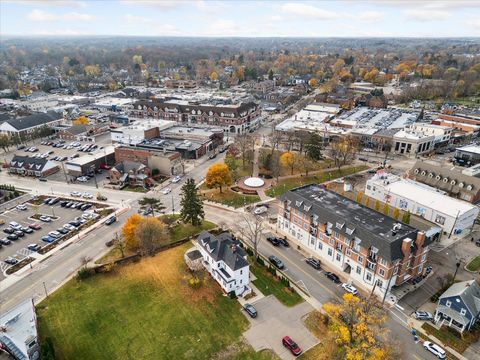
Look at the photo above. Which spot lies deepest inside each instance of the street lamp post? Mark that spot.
(173, 206)
(457, 265)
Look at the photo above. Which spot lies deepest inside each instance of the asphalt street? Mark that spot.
(316, 284)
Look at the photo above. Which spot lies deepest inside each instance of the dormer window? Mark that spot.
(469, 187)
(298, 203)
(307, 207)
(339, 225)
(453, 182)
(416, 171)
(445, 179)
(350, 231)
(460, 185)
(430, 175)
(438, 177)
(424, 173)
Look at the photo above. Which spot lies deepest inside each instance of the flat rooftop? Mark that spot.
(372, 227)
(390, 118)
(423, 194)
(470, 148)
(97, 154)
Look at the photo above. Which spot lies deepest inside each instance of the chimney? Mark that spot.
(420, 239)
(406, 246)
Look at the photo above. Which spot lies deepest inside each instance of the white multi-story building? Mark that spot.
(441, 133)
(372, 250)
(410, 142)
(453, 215)
(226, 261)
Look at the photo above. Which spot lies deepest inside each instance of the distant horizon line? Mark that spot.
(3, 36)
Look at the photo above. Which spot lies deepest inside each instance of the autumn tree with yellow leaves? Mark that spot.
(213, 76)
(357, 327)
(144, 234)
(128, 231)
(82, 120)
(289, 160)
(218, 175)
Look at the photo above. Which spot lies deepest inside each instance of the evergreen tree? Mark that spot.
(151, 203)
(192, 206)
(313, 148)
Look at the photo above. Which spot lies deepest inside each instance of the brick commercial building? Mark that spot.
(235, 119)
(372, 250)
(167, 162)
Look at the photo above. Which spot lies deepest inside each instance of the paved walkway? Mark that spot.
(274, 321)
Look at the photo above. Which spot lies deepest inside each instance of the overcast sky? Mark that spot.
(347, 18)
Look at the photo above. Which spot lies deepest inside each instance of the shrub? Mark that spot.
(232, 295)
(260, 261)
(47, 350)
(249, 251)
(85, 273)
(194, 283)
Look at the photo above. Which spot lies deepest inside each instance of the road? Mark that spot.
(317, 285)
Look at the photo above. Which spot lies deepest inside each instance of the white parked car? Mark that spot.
(82, 179)
(349, 288)
(45, 218)
(87, 195)
(260, 210)
(54, 234)
(166, 191)
(176, 179)
(75, 194)
(69, 227)
(22, 207)
(435, 349)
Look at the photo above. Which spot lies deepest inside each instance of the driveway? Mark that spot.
(274, 321)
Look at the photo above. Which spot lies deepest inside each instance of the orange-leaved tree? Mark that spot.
(213, 76)
(128, 231)
(151, 234)
(82, 120)
(218, 175)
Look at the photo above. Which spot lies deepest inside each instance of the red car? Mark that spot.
(291, 345)
(105, 167)
(35, 226)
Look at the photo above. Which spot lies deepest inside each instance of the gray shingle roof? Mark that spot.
(371, 227)
(224, 248)
(28, 163)
(30, 121)
(469, 292)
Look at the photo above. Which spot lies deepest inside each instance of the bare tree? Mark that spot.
(119, 244)
(251, 230)
(275, 140)
(343, 151)
(245, 144)
(275, 165)
(151, 234)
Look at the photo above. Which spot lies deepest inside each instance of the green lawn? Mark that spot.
(231, 198)
(447, 338)
(268, 284)
(181, 231)
(144, 310)
(287, 184)
(474, 265)
(134, 189)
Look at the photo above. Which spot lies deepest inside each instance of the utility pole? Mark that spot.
(94, 175)
(173, 206)
(45, 288)
(64, 173)
(388, 286)
(457, 265)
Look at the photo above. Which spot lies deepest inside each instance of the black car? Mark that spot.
(333, 277)
(110, 220)
(54, 201)
(273, 240)
(276, 262)
(34, 247)
(63, 203)
(313, 263)
(12, 237)
(62, 231)
(8, 231)
(42, 179)
(78, 206)
(26, 230)
(75, 223)
(250, 310)
(47, 201)
(84, 207)
(11, 261)
(283, 241)
(5, 241)
(19, 233)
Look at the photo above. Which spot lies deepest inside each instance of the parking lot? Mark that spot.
(18, 249)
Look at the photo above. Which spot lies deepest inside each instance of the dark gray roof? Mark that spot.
(371, 227)
(28, 163)
(469, 292)
(4, 117)
(416, 173)
(77, 129)
(30, 121)
(223, 247)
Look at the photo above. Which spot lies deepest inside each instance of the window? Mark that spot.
(424, 256)
(349, 252)
(305, 226)
(360, 259)
(383, 261)
(356, 244)
(395, 271)
(320, 246)
(463, 311)
(240, 281)
(339, 257)
(369, 276)
(241, 272)
(420, 268)
(331, 241)
(312, 241)
(381, 272)
(368, 187)
(336, 235)
(448, 303)
(439, 219)
(330, 252)
(380, 283)
(359, 270)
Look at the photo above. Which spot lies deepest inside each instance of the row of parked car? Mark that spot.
(16, 231)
